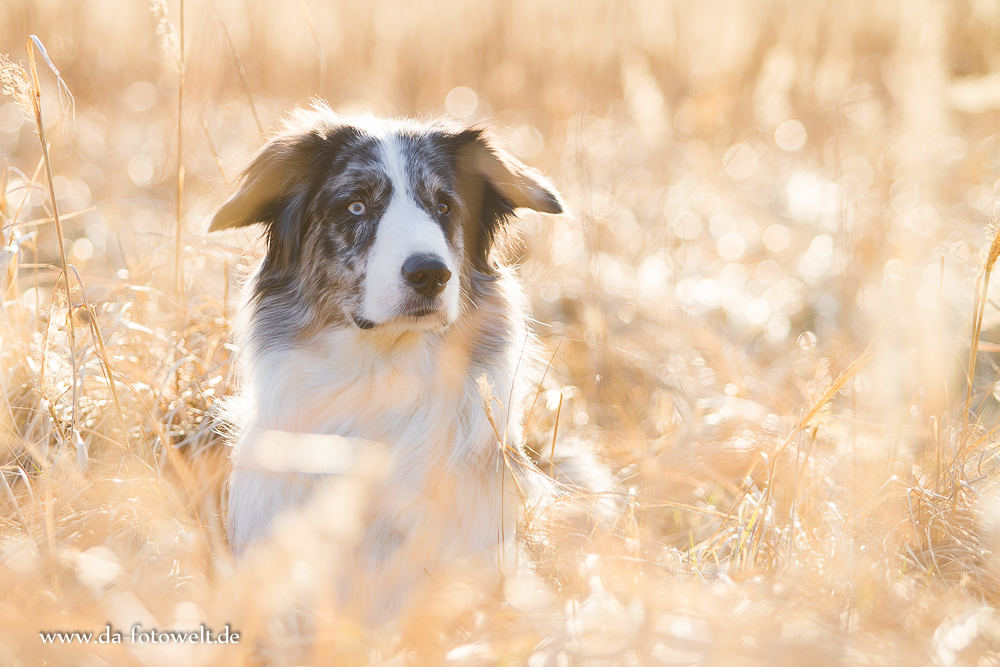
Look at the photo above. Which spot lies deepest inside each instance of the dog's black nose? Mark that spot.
(427, 274)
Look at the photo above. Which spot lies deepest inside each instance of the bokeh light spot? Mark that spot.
(140, 170)
(740, 161)
(790, 135)
(83, 250)
(777, 238)
(140, 96)
(731, 246)
(461, 102)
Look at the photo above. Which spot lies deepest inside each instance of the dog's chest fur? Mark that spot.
(447, 494)
(416, 392)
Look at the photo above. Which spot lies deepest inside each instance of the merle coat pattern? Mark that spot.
(381, 302)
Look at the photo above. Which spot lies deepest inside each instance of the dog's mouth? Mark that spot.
(411, 318)
(363, 323)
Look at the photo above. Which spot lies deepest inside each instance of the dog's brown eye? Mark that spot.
(356, 208)
(443, 209)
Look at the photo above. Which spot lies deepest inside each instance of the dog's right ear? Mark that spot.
(273, 189)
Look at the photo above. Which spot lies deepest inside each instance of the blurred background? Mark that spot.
(757, 169)
(761, 193)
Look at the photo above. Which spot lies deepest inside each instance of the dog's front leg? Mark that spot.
(256, 497)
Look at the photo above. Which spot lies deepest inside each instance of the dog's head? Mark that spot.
(384, 218)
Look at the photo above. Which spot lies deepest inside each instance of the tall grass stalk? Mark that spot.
(36, 101)
(244, 79)
(179, 263)
(978, 309)
(320, 53)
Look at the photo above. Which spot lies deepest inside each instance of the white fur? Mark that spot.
(421, 401)
(405, 230)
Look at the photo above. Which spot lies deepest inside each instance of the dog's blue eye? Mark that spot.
(443, 209)
(356, 208)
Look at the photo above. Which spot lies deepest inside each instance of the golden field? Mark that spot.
(769, 312)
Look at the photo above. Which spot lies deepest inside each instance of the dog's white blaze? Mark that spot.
(404, 230)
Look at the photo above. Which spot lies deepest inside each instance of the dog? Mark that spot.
(384, 311)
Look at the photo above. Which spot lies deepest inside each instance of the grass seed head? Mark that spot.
(14, 83)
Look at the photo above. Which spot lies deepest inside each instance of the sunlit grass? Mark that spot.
(761, 313)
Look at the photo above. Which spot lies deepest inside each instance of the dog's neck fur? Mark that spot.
(306, 377)
(419, 395)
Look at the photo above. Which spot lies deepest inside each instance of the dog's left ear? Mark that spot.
(493, 183)
(479, 153)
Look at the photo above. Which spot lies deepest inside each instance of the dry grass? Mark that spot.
(763, 315)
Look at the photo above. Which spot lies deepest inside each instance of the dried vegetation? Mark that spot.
(770, 313)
